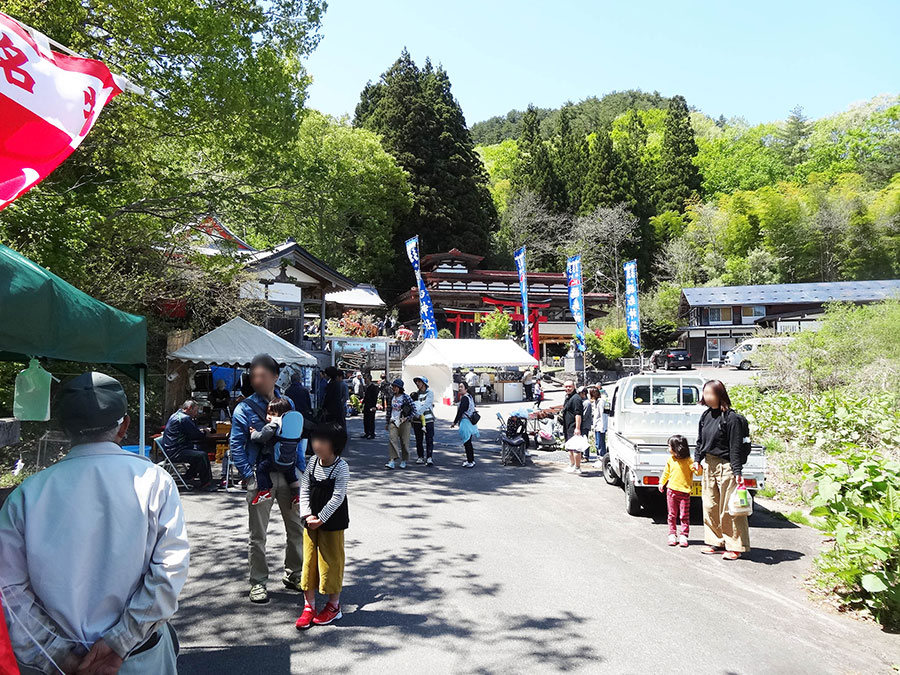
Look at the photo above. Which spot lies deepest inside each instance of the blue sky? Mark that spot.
(755, 59)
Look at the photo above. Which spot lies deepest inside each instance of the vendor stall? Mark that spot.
(234, 344)
(438, 358)
(45, 317)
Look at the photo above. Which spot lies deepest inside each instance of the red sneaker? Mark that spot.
(262, 496)
(306, 619)
(327, 615)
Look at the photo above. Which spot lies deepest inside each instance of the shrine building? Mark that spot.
(462, 294)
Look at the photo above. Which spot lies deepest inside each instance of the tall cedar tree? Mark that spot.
(598, 189)
(679, 180)
(535, 171)
(631, 183)
(571, 155)
(422, 125)
(792, 136)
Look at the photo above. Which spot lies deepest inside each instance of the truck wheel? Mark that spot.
(633, 504)
(609, 474)
(745, 365)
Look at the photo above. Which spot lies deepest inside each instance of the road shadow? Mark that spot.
(273, 659)
(768, 556)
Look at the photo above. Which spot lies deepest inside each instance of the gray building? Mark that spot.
(717, 318)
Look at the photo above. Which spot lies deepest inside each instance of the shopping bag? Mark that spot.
(577, 444)
(740, 503)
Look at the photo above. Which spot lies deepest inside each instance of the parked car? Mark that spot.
(671, 358)
(644, 410)
(742, 355)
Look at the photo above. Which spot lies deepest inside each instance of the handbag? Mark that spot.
(474, 417)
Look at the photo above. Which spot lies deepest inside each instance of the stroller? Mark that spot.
(513, 439)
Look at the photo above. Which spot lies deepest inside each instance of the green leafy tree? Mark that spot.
(421, 124)
(495, 326)
(679, 181)
(353, 198)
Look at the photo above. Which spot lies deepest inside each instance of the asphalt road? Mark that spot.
(514, 569)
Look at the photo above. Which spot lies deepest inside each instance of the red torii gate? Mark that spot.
(534, 317)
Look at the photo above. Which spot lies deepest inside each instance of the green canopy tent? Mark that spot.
(43, 316)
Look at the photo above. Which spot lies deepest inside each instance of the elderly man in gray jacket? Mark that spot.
(93, 550)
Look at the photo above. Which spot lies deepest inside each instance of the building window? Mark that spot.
(753, 311)
(719, 314)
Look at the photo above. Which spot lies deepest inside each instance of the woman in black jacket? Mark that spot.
(719, 448)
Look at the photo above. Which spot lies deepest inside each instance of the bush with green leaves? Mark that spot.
(496, 326)
(858, 496)
(604, 349)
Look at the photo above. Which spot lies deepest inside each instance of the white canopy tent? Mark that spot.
(436, 359)
(363, 296)
(236, 343)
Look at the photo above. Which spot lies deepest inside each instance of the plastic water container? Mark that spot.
(136, 449)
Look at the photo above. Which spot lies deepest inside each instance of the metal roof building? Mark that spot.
(793, 294)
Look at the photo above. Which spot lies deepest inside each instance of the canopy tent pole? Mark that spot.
(142, 422)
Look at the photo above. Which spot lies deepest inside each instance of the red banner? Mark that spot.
(48, 104)
(7, 658)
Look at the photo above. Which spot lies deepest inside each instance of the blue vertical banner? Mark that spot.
(576, 298)
(523, 289)
(426, 310)
(632, 313)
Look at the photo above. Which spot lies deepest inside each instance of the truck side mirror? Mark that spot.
(608, 409)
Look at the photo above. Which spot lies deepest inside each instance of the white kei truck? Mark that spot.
(644, 411)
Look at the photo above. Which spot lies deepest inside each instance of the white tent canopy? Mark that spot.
(362, 296)
(436, 359)
(236, 343)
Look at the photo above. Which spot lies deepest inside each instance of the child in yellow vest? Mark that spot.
(679, 477)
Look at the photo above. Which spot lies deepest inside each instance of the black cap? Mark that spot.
(91, 401)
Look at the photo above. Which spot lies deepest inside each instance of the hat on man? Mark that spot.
(421, 378)
(92, 401)
(398, 383)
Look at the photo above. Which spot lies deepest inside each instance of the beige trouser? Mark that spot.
(719, 527)
(399, 440)
(259, 523)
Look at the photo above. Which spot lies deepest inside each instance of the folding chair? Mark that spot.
(167, 464)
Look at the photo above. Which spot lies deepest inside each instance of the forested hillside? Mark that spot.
(697, 200)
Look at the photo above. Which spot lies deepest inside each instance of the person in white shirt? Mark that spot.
(93, 549)
(472, 379)
(599, 423)
(528, 384)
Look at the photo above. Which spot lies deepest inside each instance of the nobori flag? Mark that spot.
(632, 313)
(48, 104)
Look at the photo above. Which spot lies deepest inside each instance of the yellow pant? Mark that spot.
(720, 527)
(323, 561)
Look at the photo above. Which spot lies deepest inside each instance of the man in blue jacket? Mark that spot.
(251, 412)
(181, 440)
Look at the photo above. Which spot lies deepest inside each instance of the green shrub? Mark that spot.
(445, 334)
(858, 496)
(496, 326)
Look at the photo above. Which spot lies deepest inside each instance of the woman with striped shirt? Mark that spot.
(324, 512)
